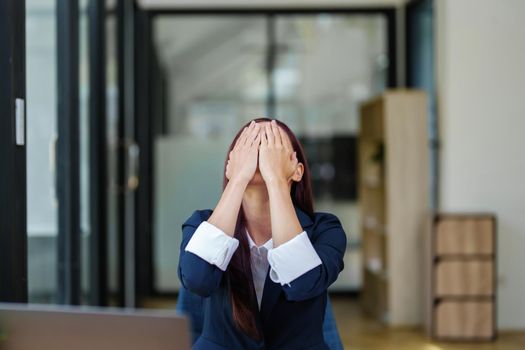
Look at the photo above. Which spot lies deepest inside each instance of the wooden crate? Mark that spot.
(464, 278)
(464, 320)
(464, 235)
(461, 298)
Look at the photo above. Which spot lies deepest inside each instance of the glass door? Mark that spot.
(72, 147)
(41, 126)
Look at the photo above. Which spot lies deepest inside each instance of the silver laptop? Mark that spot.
(41, 327)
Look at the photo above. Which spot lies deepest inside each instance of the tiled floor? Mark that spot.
(360, 332)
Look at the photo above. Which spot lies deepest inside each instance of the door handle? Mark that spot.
(132, 176)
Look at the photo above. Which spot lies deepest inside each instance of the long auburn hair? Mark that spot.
(239, 274)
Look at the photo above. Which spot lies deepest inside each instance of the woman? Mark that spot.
(262, 258)
(191, 305)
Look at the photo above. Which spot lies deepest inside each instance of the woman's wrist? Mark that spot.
(239, 182)
(225, 213)
(276, 183)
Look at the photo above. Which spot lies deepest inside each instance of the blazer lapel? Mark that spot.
(272, 290)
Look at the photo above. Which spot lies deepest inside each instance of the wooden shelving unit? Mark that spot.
(394, 202)
(461, 297)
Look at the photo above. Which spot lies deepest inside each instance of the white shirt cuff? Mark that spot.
(292, 259)
(213, 245)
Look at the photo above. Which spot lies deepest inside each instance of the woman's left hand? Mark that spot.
(277, 159)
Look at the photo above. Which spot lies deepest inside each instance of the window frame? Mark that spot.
(13, 202)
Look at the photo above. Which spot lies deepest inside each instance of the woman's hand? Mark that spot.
(277, 160)
(242, 161)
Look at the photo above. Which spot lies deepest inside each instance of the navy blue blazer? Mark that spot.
(291, 317)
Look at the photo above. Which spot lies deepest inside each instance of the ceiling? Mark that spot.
(267, 4)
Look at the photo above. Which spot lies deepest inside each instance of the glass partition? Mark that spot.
(223, 70)
(215, 76)
(325, 66)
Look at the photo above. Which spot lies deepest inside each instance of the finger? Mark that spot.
(246, 133)
(284, 139)
(256, 140)
(269, 135)
(240, 139)
(276, 134)
(256, 130)
(250, 133)
(264, 139)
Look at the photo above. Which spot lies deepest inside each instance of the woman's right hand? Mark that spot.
(242, 161)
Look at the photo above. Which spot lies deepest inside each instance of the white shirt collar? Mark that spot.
(268, 245)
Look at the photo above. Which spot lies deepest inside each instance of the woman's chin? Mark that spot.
(257, 179)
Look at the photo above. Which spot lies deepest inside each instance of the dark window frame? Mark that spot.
(13, 202)
(98, 182)
(126, 11)
(68, 145)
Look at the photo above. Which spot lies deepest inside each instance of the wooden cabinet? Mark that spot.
(394, 202)
(462, 290)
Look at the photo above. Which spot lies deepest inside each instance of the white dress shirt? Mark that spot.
(287, 261)
(259, 264)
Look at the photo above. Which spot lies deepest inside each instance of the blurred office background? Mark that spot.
(131, 105)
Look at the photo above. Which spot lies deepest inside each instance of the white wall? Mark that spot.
(481, 106)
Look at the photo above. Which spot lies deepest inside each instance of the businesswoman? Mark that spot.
(262, 258)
